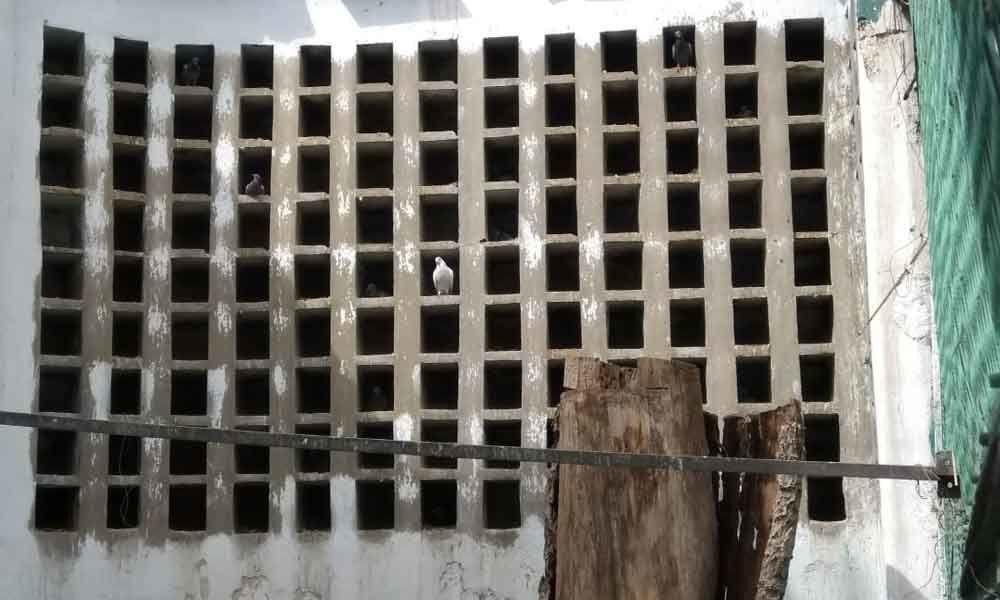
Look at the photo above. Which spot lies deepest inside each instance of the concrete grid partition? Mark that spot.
(591, 198)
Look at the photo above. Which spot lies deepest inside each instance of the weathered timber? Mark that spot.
(634, 534)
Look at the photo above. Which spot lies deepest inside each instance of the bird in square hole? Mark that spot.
(373, 291)
(442, 277)
(682, 51)
(378, 399)
(255, 187)
(744, 111)
(191, 72)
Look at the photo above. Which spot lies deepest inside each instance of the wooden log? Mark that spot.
(634, 534)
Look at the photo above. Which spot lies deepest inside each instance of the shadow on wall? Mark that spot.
(899, 586)
(369, 13)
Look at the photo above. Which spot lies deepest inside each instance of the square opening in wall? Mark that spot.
(192, 171)
(501, 504)
(374, 63)
(501, 158)
(312, 276)
(682, 151)
(428, 261)
(187, 508)
(438, 504)
(253, 392)
(560, 156)
(557, 371)
(560, 210)
(188, 458)
(740, 43)
(439, 431)
(59, 333)
(61, 107)
(439, 218)
(501, 215)
(812, 262)
(564, 325)
(438, 110)
(123, 506)
(806, 146)
(438, 60)
(374, 165)
(62, 52)
(742, 149)
(824, 495)
(503, 270)
(313, 389)
(750, 325)
(439, 163)
(312, 504)
(189, 336)
(314, 116)
(126, 385)
(313, 223)
(683, 207)
(376, 501)
(809, 205)
(817, 376)
(375, 388)
(502, 385)
(805, 91)
(128, 168)
(621, 208)
(371, 460)
(625, 324)
(562, 267)
(314, 169)
(189, 280)
(741, 96)
(619, 51)
(375, 331)
(623, 266)
(191, 226)
(251, 507)
(748, 262)
(252, 336)
(61, 221)
(753, 380)
(621, 153)
(681, 95)
(124, 455)
(56, 507)
(62, 276)
(374, 112)
(129, 114)
(128, 227)
(439, 386)
(560, 54)
(621, 102)
(502, 433)
(56, 452)
(687, 323)
(254, 223)
(500, 57)
(58, 390)
(744, 204)
(313, 461)
(503, 327)
(686, 265)
(252, 280)
(374, 219)
(804, 40)
(815, 319)
(315, 66)
(126, 334)
(60, 163)
(374, 273)
(500, 106)
(687, 33)
(256, 117)
(439, 329)
(193, 117)
(560, 105)
(257, 66)
(194, 65)
(313, 332)
(189, 393)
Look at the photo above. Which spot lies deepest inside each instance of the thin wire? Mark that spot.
(899, 280)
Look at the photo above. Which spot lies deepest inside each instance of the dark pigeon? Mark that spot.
(373, 291)
(255, 187)
(378, 399)
(191, 72)
(682, 51)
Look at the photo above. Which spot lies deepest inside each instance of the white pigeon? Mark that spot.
(682, 51)
(443, 276)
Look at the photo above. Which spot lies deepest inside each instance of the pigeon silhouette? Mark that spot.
(442, 277)
(682, 51)
(191, 72)
(255, 187)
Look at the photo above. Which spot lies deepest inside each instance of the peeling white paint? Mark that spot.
(402, 427)
(531, 244)
(528, 90)
(224, 318)
(592, 248)
(280, 383)
(406, 258)
(99, 380)
(407, 488)
(282, 258)
(157, 323)
(217, 385)
(589, 308)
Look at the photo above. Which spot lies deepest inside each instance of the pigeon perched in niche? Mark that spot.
(373, 291)
(744, 112)
(255, 187)
(378, 399)
(499, 235)
(191, 72)
(443, 276)
(682, 51)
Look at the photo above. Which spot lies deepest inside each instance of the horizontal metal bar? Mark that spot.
(703, 464)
